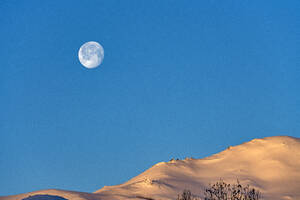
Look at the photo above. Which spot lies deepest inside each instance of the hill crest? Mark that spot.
(270, 164)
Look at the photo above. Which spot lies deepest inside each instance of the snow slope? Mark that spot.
(271, 164)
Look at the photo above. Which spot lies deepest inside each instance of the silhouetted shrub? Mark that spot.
(223, 191)
(185, 195)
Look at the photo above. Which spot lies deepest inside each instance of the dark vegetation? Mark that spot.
(44, 197)
(185, 195)
(224, 191)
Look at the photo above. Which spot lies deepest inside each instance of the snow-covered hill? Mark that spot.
(271, 164)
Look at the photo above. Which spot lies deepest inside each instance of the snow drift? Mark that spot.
(271, 165)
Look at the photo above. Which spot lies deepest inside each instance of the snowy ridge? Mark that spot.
(272, 165)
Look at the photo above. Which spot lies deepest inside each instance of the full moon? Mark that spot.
(91, 54)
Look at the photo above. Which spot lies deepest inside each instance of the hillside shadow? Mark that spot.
(44, 197)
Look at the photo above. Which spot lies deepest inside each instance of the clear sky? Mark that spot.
(179, 79)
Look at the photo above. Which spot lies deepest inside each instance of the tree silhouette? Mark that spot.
(185, 195)
(224, 191)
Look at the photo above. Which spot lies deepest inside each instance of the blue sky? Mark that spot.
(179, 79)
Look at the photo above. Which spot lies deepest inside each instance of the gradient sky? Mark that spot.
(179, 79)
